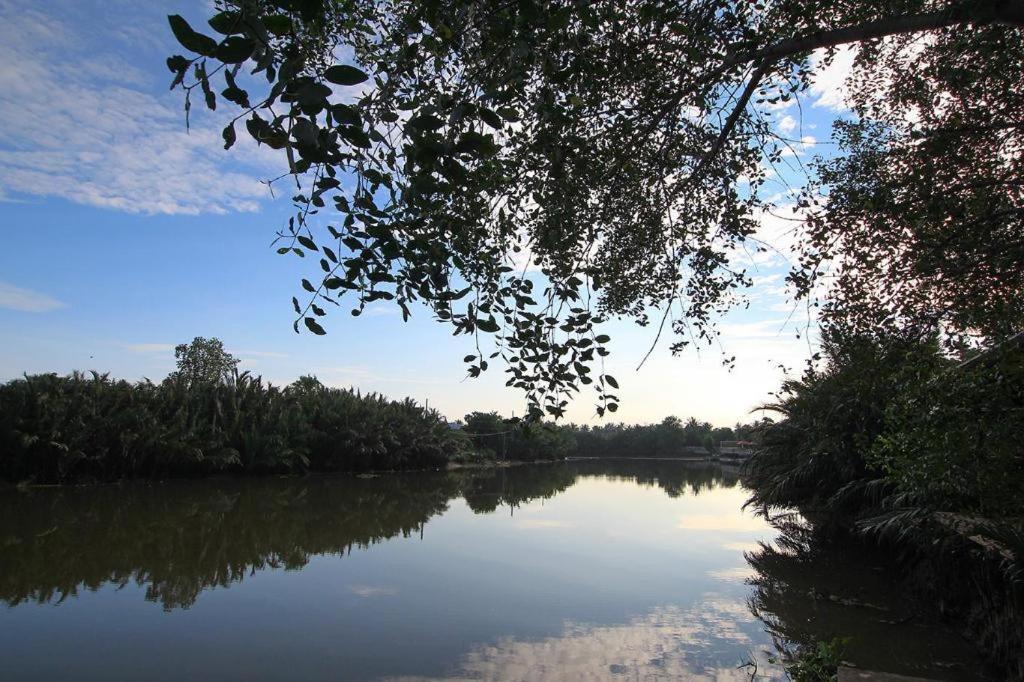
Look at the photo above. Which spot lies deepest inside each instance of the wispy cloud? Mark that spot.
(26, 300)
(257, 353)
(828, 84)
(346, 375)
(149, 347)
(83, 122)
(367, 591)
(532, 524)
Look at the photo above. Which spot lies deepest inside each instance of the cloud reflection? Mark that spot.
(372, 591)
(703, 642)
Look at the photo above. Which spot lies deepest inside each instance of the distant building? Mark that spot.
(739, 449)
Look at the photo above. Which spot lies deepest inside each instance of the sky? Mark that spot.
(124, 235)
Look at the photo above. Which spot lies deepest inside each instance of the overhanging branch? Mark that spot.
(1006, 12)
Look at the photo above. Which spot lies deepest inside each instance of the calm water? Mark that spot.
(633, 570)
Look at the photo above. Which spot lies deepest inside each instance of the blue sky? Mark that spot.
(124, 235)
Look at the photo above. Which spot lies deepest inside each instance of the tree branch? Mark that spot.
(1006, 12)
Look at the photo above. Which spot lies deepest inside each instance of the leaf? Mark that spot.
(345, 114)
(189, 39)
(229, 135)
(489, 325)
(177, 63)
(611, 381)
(508, 114)
(490, 118)
(235, 50)
(313, 326)
(476, 143)
(278, 24)
(425, 122)
(226, 23)
(602, 338)
(355, 136)
(308, 243)
(343, 74)
(179, 66)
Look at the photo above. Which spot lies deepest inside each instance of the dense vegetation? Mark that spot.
(208, 418)
(92, 427)
(511, 439)
(918, 451)
(669, 438)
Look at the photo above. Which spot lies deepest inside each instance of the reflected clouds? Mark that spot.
(367, 591)
(693, 643)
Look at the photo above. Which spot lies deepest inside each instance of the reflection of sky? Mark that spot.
(607, 577)
(668, 643)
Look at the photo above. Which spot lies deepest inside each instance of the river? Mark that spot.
(581, 570)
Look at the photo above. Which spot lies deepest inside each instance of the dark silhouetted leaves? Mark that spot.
(344, 74)
(189, 39)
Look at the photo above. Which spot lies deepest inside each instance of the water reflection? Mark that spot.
(179, 538)
(807, 588)
(571, 570)
(668, 643)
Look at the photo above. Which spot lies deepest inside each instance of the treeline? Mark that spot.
(669, 438)
(91, 427)
(499, 438)
(495, 437)
(917, 450)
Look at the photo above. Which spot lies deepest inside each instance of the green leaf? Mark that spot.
(313, 326)
(308, 243)
(611, 381)
(189, 39)
(602, 338)
(343, 74)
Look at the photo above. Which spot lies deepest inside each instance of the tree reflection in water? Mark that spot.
(807, 588)
(181, 537)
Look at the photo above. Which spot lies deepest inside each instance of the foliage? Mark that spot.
(925, 207)
(915, 451)
(953, 440)
(204, 361)
(59, 429)
(513, 439)
(817, 662)
(814, 457)
(669, 438)
(619, 146)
